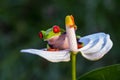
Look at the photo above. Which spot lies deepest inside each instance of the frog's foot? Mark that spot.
(52, 49)
(79, 45)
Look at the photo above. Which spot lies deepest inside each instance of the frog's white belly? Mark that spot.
(60, 42)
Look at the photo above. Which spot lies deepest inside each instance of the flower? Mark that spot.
(70, 30)
(95, 47)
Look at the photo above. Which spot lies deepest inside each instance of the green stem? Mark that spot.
(73, 58)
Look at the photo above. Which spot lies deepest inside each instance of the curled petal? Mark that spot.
(52, 56)
(95, 46)
(71, 39)
(92, 43)
(70, 25)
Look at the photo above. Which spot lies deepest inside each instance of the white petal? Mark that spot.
(71, 38)
(99, 44)
(92, 43)
(52, 56)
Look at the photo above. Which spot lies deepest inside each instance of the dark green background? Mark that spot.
(21, 20)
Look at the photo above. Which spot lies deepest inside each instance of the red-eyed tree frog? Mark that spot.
(56, 38)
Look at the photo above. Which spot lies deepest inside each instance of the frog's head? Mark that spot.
(50, 33)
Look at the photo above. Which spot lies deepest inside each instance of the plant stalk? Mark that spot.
(73, 58)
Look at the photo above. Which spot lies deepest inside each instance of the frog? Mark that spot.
(56, 38)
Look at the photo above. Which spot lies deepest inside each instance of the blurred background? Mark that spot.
(21, 20)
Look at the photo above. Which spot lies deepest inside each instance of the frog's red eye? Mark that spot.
(56, 29)
(40, 35)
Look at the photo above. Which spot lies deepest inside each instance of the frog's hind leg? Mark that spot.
(51, 48)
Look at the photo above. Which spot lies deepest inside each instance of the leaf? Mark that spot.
(106, 73)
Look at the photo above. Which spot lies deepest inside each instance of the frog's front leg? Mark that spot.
(79, 44)
(51, 48)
